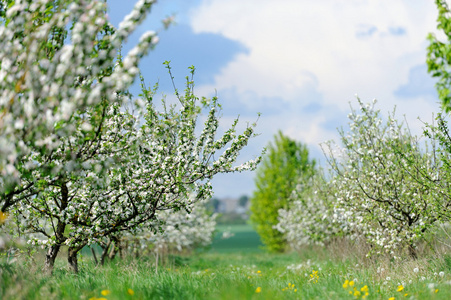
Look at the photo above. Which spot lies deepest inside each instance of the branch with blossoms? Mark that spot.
(54, 92)
(45, 82)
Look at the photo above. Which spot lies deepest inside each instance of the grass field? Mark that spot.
(244, 239)
(238, 270)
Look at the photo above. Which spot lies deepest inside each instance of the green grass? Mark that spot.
(211, 275)
(235, 268)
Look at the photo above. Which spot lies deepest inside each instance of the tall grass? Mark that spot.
(308, 275)
(238, 271)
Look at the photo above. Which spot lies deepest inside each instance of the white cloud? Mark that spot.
(288, 38)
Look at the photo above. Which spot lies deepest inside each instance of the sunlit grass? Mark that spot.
(339, 271)
(232, 276)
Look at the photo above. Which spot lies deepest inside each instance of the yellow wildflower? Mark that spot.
(364, 288)
(351, 283)
(130, 292)
(105, 292)
(400, 288)
(436, 291)
(357, 293)
(346, 284)
(258, 290)
(391, 298)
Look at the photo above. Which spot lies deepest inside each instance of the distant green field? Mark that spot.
(245, 239)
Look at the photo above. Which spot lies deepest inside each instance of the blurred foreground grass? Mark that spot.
(235, 268)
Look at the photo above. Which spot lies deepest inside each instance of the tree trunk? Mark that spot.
(413, 252)
(72, 257)
(105, 253)
(50, 257)
(52, 252)
(113, 252)
(117, 248)
(94, 255)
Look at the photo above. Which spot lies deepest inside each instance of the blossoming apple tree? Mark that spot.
(80, 166)
(379, 193)
(53, 89)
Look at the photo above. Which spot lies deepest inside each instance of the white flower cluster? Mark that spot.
(310, 217)
(180, 230)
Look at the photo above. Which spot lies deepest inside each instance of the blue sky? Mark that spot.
(299, 63)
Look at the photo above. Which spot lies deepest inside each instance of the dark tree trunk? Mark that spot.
(105, 252)
(94, 255)
(72, 257)
(52, 252)
(50, 257)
